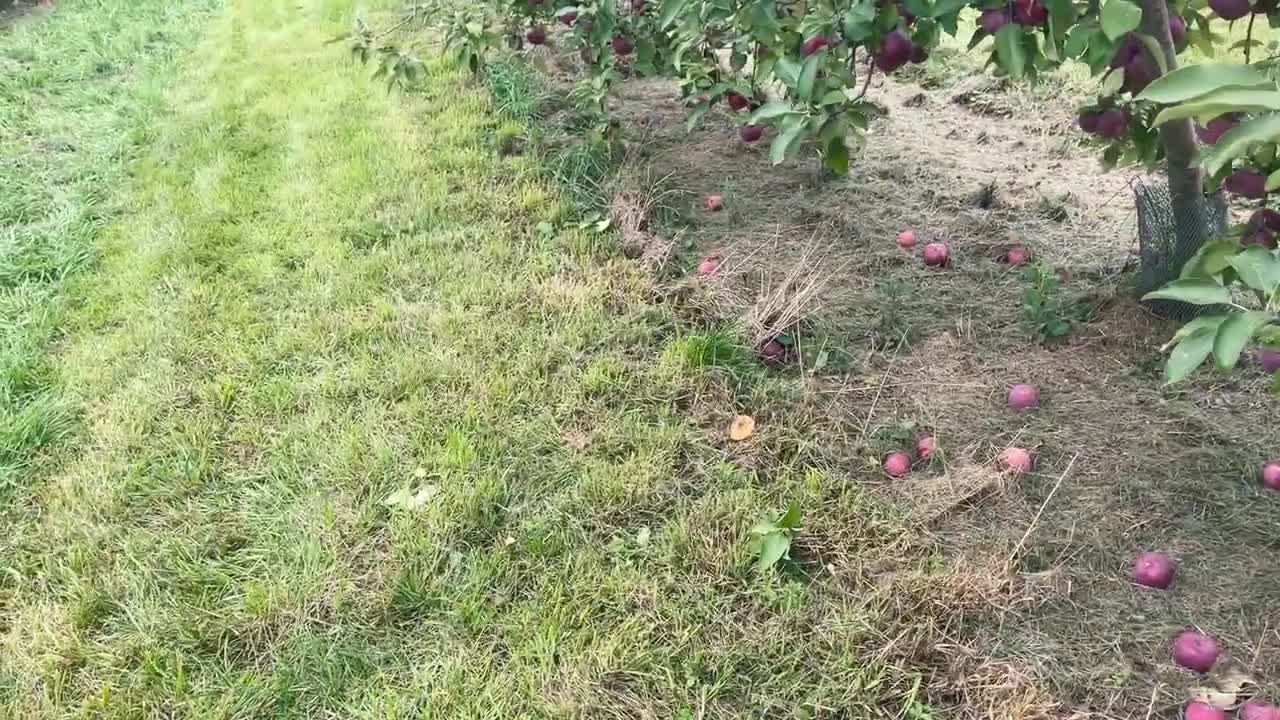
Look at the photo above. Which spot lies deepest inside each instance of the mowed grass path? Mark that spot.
(321, 295)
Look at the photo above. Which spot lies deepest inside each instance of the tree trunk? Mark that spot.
(1178, 137)
(1192, 213)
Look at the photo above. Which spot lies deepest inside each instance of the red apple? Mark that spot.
(1269, 359)
(773, 352)
(1246, 183)
(936, 255)
(1030, 12)
(1197, 710)
(537, 35)
(1024, 397)
(926, 446)
(907, 239)
(1230, 9)
(569, 18)
(813, 45)
(992, 20)
(1113, 124)
(1018, 256)
(622, 45)
(1256, 709)
(1195, 651)
(737, 101)
(1153, 570)
(895, 51)
(750, 133)
(1216, 128)
(1271, 475)
(715, 203)
(1016, 460)
(710, 265)
(897, 464)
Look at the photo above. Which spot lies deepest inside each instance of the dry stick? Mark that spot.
(1009, 563)
(1151, 706)
(883, 379)
(410, 18)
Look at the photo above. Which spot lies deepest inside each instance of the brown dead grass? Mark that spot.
(1033, 615)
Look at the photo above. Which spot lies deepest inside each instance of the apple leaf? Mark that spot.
(1077, 41)
(1155, 51)
(1258, 268)
(787, 71)
(1204, 322)
(670, 9)
(1188, 355)
(1210, 260)
(837, 157)
(770, 111)
(1273, 181)
(1196, 292)
(808, 74)
(1010, 50)
(782, 143)
(1120, 17)
(1220, 102)
(1062, 15)
(1233, 334)
(1192, 81)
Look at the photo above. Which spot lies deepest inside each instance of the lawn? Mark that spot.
(341, 414)
(320, 399)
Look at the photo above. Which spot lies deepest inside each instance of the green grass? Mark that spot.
(78, 95)
(314, 297)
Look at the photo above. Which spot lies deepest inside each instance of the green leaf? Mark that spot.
(668, 12)
(1077, 41)
(1154, 49)
(1062, 15)
(837, 157)
(1120, 17)
(833, 97)
(787, 71)
(1220, 102)
(1196, 292)
(791, 519)
(809, 73)
(773, 547)
(1236, 141)
(696, 116)
(1192, 81)
(1273, 181)
(919, 8)
(782, 143)
(1210, 260)
(1234, 333)
(1188, 355)
(1258, 268)
(1010, 50)
(1204, 322)
(770, 111)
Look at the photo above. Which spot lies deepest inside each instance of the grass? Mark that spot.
(74, 109)
(371, 427)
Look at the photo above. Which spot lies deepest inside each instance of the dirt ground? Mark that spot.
(1122, 464)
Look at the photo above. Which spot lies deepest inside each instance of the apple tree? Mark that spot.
(797, 72)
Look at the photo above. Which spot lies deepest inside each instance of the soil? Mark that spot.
(1123, 465)
(11, 10)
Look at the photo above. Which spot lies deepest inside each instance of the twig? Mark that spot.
(1151, 706)
(413, 14)
(1009, 563)
(871, 70)
(870, 413)
(1248, 38)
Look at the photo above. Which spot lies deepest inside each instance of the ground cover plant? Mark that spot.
(450, 386)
